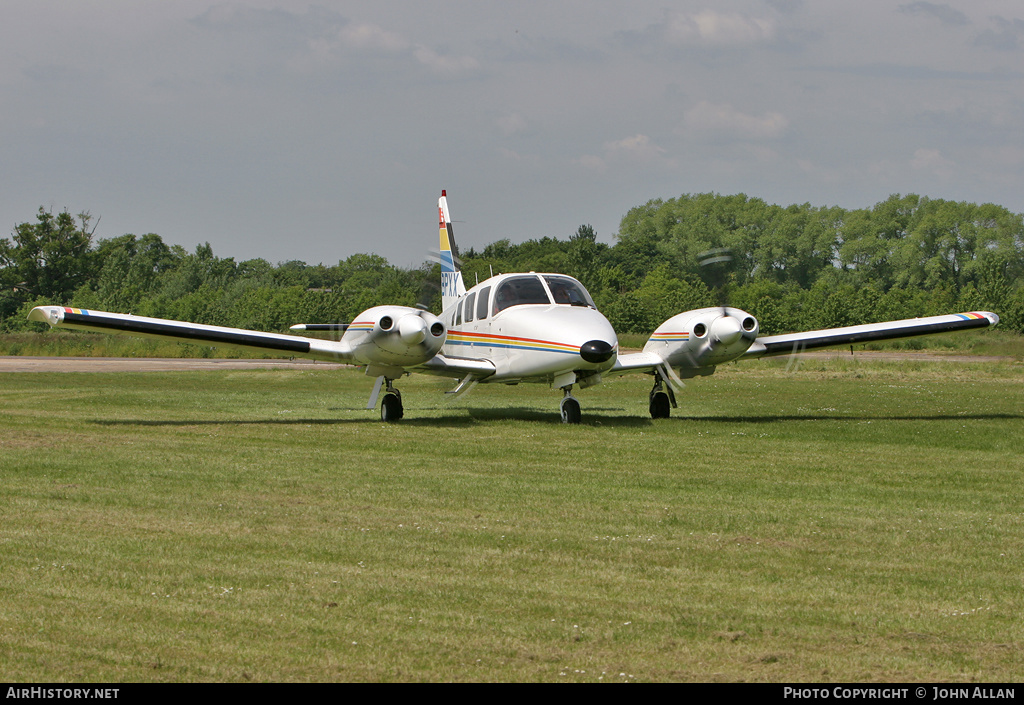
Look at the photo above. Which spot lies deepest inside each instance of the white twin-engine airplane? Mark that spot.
(513, 328)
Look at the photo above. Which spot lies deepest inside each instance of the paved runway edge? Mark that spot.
(13, 363)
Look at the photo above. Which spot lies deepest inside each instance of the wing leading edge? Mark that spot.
(125, 324)
(767, 346)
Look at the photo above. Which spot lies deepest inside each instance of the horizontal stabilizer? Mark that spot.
(321, 327)
(457, 367)
(637, 362)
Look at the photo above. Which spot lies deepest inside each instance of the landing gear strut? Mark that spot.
(570, 407)
(662, 398)
(391, 405)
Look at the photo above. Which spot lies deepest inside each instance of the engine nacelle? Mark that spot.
(395, 336)
(701, 339)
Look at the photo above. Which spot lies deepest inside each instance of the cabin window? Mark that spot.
(469, 306)
(481, 304)
(517, 291)
(458, 316)
(568, 291)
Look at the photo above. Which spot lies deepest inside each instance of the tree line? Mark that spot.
(796, 267)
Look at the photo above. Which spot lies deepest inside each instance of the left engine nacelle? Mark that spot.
(701, 339)
(397, 336)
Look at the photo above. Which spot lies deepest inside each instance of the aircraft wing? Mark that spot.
(126, 324)
(770, 345)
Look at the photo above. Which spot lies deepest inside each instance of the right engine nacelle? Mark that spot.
(703, 338)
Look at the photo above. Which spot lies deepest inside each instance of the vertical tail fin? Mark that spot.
(451, 278)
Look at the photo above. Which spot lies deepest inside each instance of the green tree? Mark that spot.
(50, 257)
(584, 256)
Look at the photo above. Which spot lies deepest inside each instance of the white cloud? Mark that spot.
(724, 118)
(442, 63)
(511, 124)
(522, 159)
(717, 28)
(635, 150)
(593, 163)
(370, 36)
(943, 13)
(932, 161)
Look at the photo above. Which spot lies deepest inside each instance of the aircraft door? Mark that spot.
(484, 325)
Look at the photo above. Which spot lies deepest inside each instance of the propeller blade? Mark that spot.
(719, 260)
(372, 404)
(670, 376)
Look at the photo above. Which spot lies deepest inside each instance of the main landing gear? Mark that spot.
(662, 398)
(391, 405)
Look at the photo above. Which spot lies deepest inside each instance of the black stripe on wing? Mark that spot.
(825, 341)
(187, 332)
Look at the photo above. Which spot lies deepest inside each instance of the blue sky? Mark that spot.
(292, 130)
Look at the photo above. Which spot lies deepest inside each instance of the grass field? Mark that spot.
(847, 521)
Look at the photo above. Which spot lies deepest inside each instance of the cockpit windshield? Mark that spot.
(516, 291)
(528, 289)
(568, 291)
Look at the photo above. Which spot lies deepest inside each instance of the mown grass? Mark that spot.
(847, 521)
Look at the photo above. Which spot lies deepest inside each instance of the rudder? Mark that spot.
(452, 286)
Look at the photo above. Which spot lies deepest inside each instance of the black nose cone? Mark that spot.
(596, 351)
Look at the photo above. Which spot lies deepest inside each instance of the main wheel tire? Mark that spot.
(391, 408)
(660, 406)
(571, 410)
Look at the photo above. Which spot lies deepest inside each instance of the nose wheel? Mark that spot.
(570, 408)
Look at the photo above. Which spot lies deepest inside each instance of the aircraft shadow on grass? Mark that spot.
(475, 416)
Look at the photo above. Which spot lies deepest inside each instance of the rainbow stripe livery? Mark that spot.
(361, 326)
(668, 337)
(471, 339)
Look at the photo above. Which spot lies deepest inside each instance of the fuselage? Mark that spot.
(533, 328)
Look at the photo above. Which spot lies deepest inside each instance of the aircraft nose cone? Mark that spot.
(596, 351)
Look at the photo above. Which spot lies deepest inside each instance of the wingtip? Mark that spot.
(51, 315)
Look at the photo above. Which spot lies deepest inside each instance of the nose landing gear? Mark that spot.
(570, 407)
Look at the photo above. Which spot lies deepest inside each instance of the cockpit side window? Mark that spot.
(481, 304)
(516, 291)
(568, 291)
